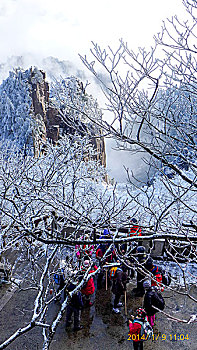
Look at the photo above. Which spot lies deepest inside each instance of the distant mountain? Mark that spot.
(53, 67)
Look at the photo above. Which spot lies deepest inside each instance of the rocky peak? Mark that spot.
(49, 122)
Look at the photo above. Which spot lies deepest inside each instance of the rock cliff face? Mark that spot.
(49, 123)
(39, 92)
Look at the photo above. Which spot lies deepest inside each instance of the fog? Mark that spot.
(31, 31)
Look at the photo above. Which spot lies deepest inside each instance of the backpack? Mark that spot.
(146, 329)
(158, 300)
(112, 272)
(57, 278)
(166, 276)
(166, 279)
(77, 301)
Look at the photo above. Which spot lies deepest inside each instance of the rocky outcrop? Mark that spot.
(40, 93)
(39, 90)
(50, 125)
(99, 144)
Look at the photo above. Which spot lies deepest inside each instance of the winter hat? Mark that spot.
(147, 284)
(105, 232)
(86, 263)
(149, 263)
(140, 249)
(141, 312)
(74, 283)
(134, 221)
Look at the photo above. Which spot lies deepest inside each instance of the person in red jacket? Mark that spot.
(135, 229)
(135, 328)
(89, 287)
(157, 281)
(154, 269)
(85, 251)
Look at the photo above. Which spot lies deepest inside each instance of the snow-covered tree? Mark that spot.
(16, 121)
(151, 103)
(59, 200)
(71, 99)
(151, 96)
(47, 205)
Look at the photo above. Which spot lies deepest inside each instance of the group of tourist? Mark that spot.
(149, 283)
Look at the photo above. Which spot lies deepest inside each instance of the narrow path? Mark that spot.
(8, 294)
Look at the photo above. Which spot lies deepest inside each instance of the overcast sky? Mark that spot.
(62, 29)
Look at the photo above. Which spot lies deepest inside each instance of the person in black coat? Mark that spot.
(150, 300)
(141, 257)
(74, 306)
(119, 286)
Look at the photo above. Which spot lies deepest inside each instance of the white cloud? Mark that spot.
(64, 28)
